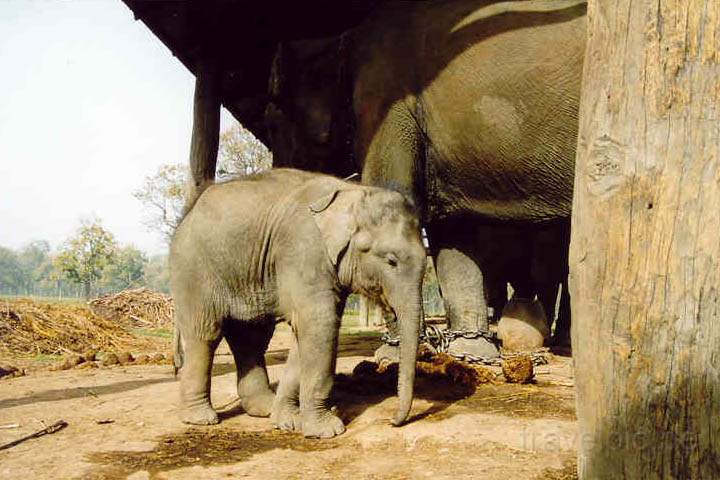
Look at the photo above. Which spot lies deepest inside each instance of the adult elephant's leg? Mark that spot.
(392, 147)
(286, 411)
(248, 342)
(462, 287)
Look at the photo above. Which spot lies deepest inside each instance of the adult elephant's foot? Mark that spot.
(286, 417)
(199, 415)
(523, 325)
(321, 425)
(477, 347)
(259, 404)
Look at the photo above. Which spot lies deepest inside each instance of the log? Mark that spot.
(370, 313)
(363, 311)
(205, 132)
(645, 248)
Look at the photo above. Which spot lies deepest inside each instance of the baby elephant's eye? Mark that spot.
(391, 259)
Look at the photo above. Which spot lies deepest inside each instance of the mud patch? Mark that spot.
(200, 446)
(526, 401)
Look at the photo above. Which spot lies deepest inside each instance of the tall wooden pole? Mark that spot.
(645, 250)
(364, 311)
(205, 132)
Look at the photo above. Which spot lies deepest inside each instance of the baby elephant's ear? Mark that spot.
(334, 216)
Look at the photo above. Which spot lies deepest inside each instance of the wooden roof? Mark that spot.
(242, 36)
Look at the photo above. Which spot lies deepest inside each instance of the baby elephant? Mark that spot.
(290, 245)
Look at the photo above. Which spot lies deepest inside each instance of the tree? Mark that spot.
(162, 196)
(645, 255)
(84, 257)
(126, 270)
(11, 272)
(157, 274)
(241, 153)
(35, 264)
(163, 193)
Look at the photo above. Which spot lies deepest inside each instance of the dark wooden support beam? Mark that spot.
(205, 132)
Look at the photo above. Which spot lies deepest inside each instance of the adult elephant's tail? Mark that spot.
(178, 359)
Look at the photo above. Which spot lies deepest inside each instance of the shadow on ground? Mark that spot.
(201, 446)
(100, 390)
(350, 345)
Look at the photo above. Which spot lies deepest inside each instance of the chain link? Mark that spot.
(441, 339)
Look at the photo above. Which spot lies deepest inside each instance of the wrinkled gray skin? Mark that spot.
(468, 107)
(289, 245)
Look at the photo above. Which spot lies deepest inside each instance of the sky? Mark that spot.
(91, 103)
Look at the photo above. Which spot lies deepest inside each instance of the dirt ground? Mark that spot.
(122, 423)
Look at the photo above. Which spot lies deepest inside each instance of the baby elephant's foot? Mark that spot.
(258, 405)
(322, 425)
(286, 417)
(199, 415)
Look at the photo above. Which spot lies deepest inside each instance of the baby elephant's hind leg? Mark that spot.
(248, 342)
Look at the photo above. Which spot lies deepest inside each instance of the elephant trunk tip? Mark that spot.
(400, 419)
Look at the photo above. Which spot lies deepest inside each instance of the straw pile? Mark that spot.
(28, 327)
(138, 307)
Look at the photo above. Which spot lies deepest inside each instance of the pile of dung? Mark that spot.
(138, 307)
(93, 359)
(518, 369)
(443, 365)
(437, 370)
(29, 327)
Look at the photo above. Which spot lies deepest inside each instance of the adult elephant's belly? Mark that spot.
(501, 151)
(501, 116)
(501, 178)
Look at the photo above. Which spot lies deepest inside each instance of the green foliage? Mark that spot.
(162, 194)
(84, 257)
(125, 270)
(90, 262)
(154, 332)
(240, 153)
(157, 274)
(11, 272)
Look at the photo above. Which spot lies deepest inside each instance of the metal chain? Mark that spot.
(440, 340)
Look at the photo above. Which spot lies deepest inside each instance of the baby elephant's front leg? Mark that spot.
(317, 340)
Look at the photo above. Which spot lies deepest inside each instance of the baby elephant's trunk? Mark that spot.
(409, 316)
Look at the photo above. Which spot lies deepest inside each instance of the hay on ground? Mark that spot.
(138, 307)
(30, 327)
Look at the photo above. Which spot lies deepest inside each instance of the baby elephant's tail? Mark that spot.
(177, 351)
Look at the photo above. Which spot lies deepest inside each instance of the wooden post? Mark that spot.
(370, 313)
(645, 250)
(363, 313)
(205, 132)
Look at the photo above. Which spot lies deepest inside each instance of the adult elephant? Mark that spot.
(468, 107)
